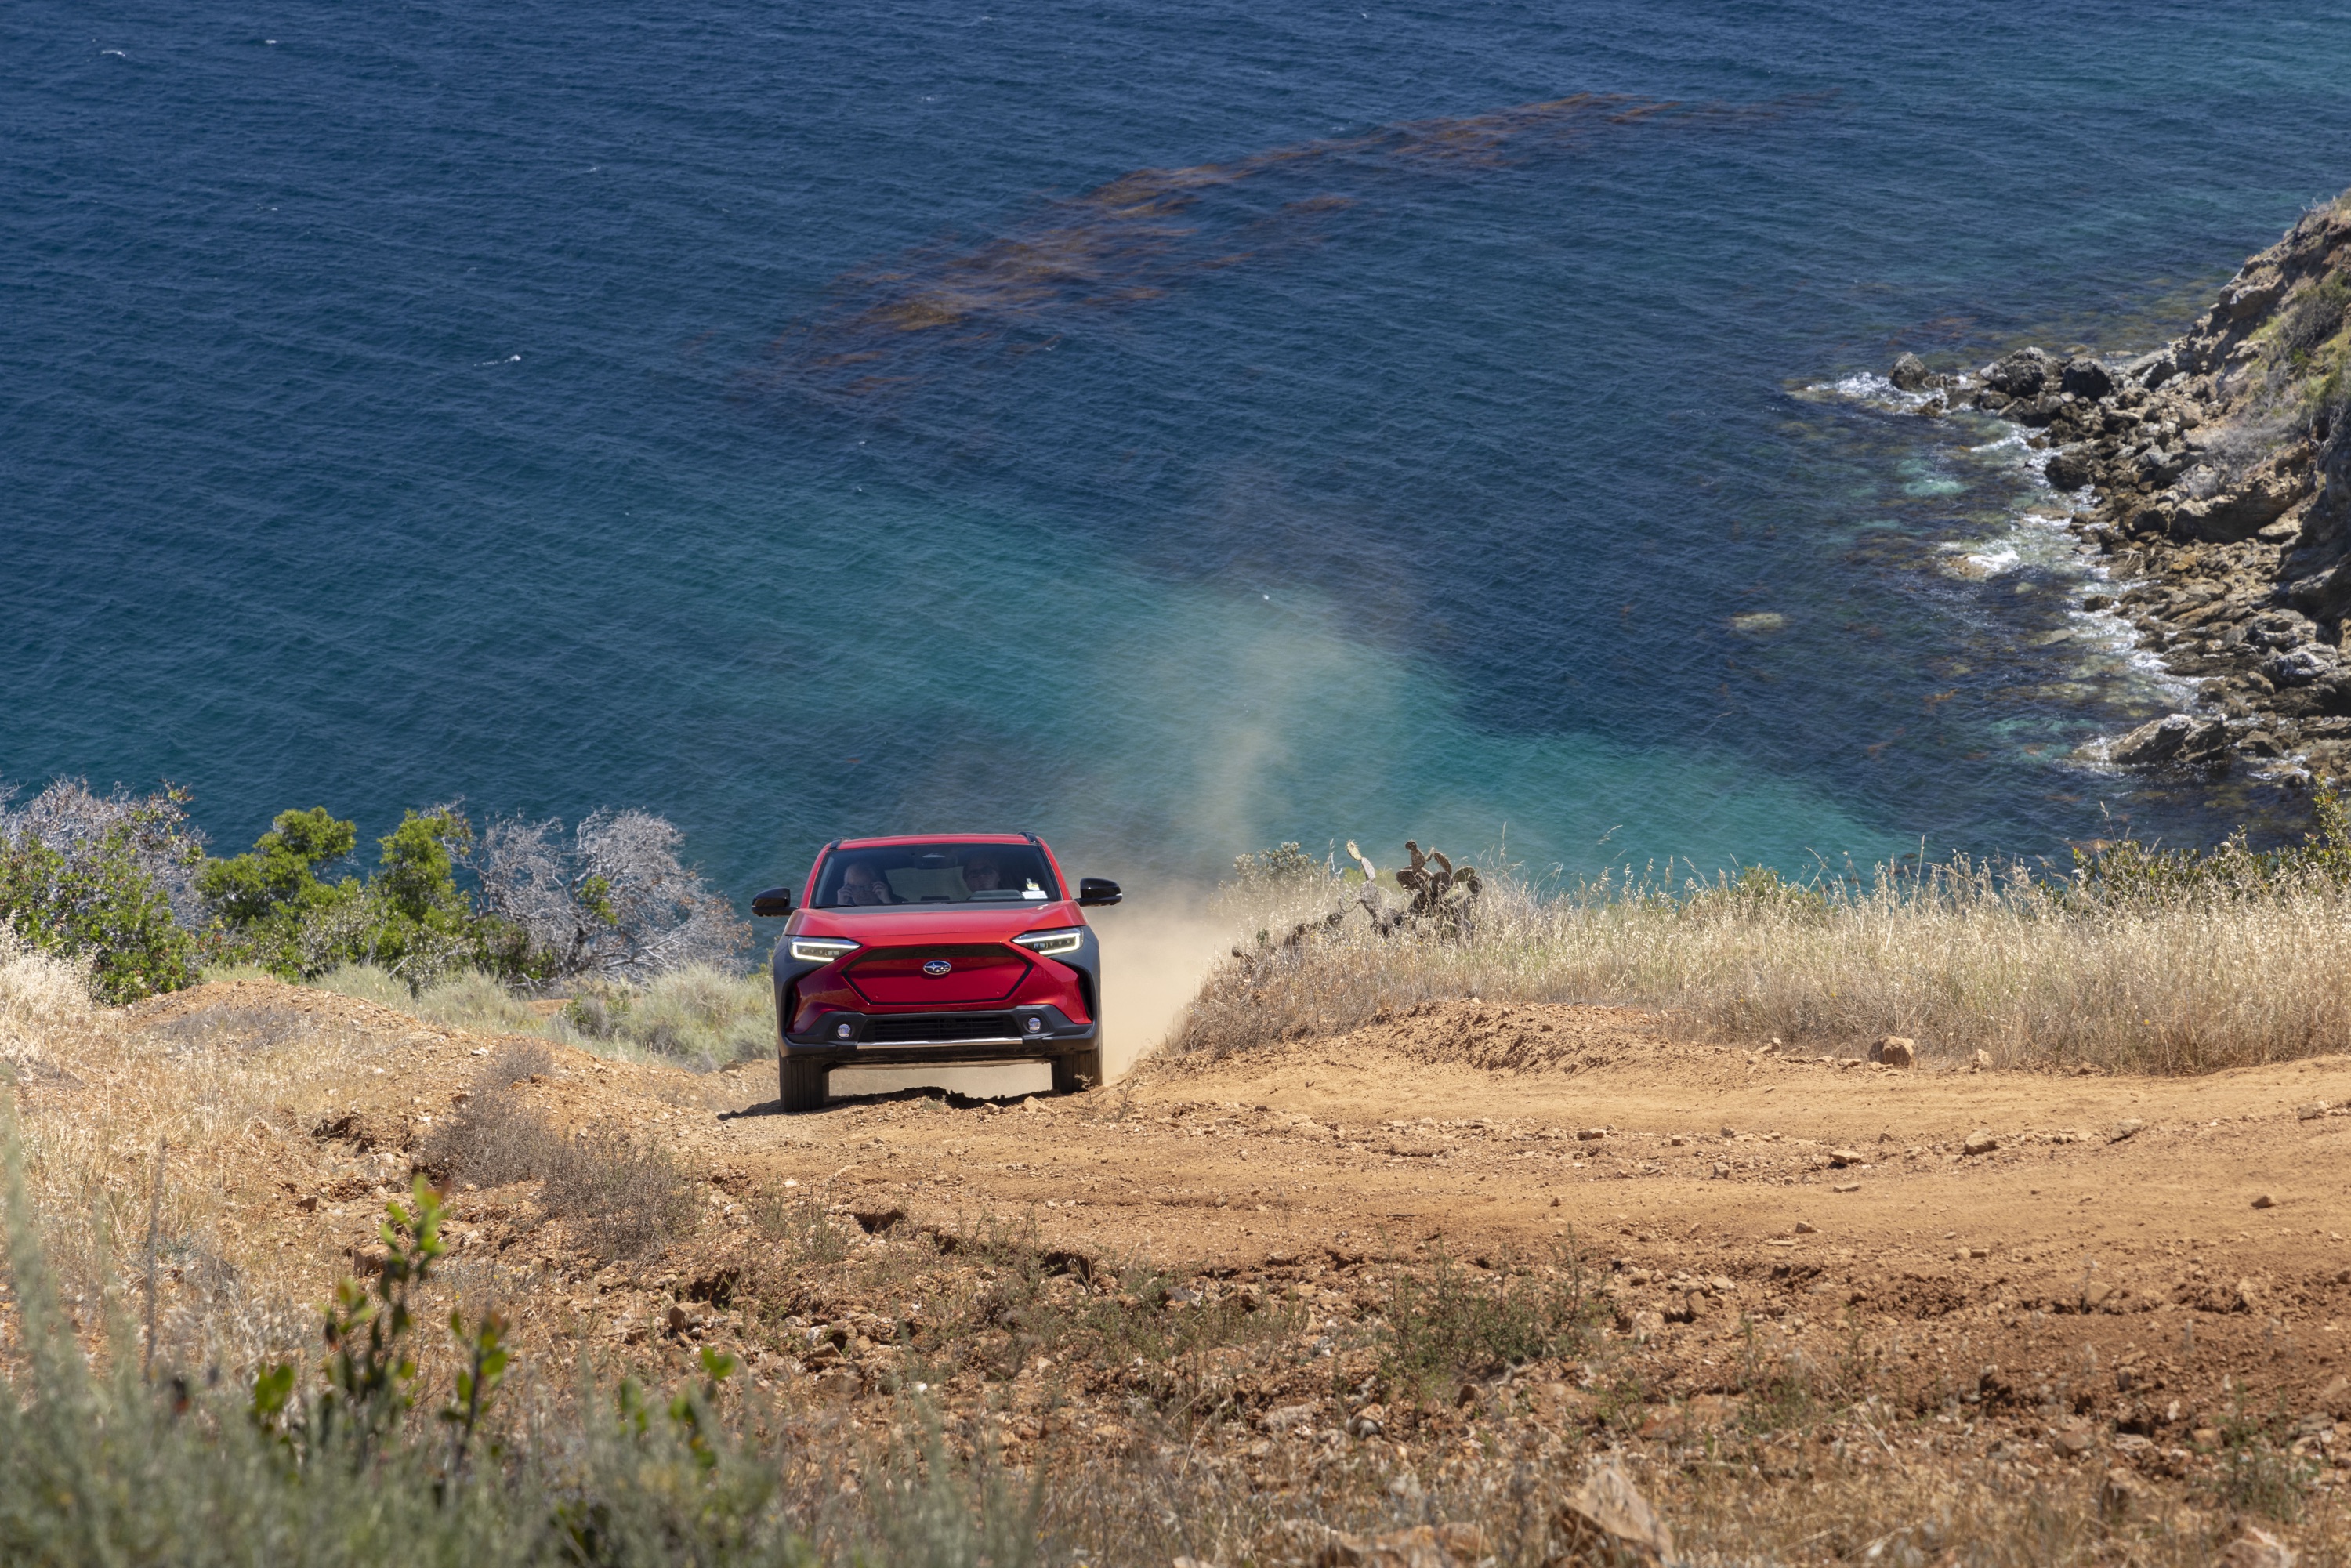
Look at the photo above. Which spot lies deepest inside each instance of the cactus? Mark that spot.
(1442, 896)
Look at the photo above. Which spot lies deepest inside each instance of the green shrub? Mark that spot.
(2254, 1473)
(410, 918)
(516, 904)
(699, 1017)
(1285, 862)
(269, 902)
(93, 877)
(2129, 874)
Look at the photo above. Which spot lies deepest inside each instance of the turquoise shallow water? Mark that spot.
(809, 423)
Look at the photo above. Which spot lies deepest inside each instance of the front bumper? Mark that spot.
(1028, 1033)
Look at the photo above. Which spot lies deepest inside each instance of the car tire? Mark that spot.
(804, 1084)
(1082, 1071)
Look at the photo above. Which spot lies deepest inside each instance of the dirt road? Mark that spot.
(2131, 1195)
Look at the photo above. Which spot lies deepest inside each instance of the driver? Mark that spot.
(982, 874)
(861, 884)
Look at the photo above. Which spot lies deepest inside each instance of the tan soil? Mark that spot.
(2129, 1291)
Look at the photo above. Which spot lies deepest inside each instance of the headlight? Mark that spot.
(820, 950)
(1050, 943)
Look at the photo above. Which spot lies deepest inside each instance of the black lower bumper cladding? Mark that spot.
(1019, 1034)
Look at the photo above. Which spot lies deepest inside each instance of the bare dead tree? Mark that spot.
(74, 820)
(611, 899)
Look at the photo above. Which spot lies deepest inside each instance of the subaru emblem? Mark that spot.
(937, 967)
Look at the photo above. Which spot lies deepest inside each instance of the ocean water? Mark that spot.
(1172, 430)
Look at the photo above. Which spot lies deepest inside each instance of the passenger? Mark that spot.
(861, 884)
(982, 874)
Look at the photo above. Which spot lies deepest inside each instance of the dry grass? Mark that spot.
(625, 1198)
(2184, 981)
(125, 1158)
(696, 1016)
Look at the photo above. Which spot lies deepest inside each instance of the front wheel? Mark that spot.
(1073, 1073)
(804, 1084)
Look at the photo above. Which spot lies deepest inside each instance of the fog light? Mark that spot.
(841, 1030)
(1035, 1023)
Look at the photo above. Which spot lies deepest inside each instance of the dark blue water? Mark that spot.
(810, 420)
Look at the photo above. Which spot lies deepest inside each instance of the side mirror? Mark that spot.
(774, 902)
(1098, 890)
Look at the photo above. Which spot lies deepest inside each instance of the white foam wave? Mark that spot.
(1871, 389)
(2000, 557)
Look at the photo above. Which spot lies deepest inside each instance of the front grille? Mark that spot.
(941, 1027)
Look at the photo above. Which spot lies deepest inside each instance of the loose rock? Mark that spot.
(2124, 1129)
(2175, 737)
(2022, 374)
(2069, 470)
(2265, 1201)
(1893, 1051)
(2256, 1548)
(1608, 1518)
(2120, 1494)
(1979, 1141)
(2085, 378)
(1422, 1546)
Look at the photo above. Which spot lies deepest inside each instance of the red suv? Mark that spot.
(933, 951)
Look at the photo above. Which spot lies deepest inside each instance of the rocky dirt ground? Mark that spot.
(1821, 1310)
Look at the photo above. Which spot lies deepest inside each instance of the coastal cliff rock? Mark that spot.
(2220, 468)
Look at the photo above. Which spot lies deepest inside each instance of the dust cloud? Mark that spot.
(1153, 959)
(1155, 955)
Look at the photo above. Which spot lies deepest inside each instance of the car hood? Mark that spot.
(892, 926)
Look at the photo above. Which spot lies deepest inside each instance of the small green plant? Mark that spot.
(2254, 1475)
(368, 1384)
(2129, 872)
(796, 1222)
(1452, 1326)
(1758, 890)
(1779, 1390)
(1285, 862)
(483, 1344)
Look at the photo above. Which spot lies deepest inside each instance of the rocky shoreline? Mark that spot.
(2216, 473)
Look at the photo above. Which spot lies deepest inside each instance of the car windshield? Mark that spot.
(944, 873)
